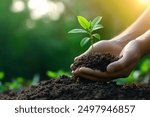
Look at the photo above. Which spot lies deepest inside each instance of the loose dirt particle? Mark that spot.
(65, 88)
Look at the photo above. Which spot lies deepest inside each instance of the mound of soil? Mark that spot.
(66, 88)
(95, 61)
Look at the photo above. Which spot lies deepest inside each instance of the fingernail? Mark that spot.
(75, 58)
(72, 72)
(81, 69)
(71, 66)
(110, 69)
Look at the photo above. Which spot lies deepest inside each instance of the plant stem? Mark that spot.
(92, 44)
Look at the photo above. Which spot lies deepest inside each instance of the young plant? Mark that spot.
(89, 28)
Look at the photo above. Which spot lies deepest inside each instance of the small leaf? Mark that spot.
(78, 31)
(1, 75)
(99, 26)
(51, 74)
(90, 25)
(83, 22)
(145, 67)
(96, 21)
(84, 41)
(96, 36)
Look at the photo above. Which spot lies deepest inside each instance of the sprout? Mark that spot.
(89, 28)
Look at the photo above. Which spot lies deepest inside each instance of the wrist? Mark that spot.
(124, 38)
(144, 41)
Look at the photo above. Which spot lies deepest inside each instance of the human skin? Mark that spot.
(130, 46)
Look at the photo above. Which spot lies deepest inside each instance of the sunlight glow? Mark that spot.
(17, 6)
(47, 8)
(144, 2)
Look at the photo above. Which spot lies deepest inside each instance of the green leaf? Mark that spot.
(56, 74)
(128, 80)
(96, 36)
(1, 75)
(84, 41)
(78, 31)
(20, 79)
(96, 21)
(83, 22)
(51, 74)
(90, 25)
(145, 67)
(98, 26)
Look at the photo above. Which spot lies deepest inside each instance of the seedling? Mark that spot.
(89, 28)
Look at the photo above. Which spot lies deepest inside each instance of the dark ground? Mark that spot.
(65, 88)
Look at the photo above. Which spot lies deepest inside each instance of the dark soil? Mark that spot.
(95, 61)
(65, 88)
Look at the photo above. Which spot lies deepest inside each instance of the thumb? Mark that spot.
(122, 63)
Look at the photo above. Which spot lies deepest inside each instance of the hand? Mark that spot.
(109, 46)
(130, 55)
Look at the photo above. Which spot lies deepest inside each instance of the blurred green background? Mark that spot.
(34, 43)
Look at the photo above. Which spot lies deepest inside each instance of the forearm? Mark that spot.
(141, 25)
(144, 43)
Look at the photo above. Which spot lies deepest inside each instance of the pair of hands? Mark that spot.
(129, 56)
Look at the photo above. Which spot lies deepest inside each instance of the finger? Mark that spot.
(84, 76)
(92, 77)
(76, 72)
(83, 54)
(80, 73)
(122, 63)
(71, 67)
(95, 73)
(105, 75)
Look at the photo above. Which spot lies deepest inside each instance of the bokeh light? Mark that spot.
(48, 8)
(17, 6)
(144, 2)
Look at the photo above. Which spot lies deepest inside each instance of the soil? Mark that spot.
(66, 88)
(95, 61)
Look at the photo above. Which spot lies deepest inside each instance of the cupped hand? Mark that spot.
(130, 55)
(104, 46)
